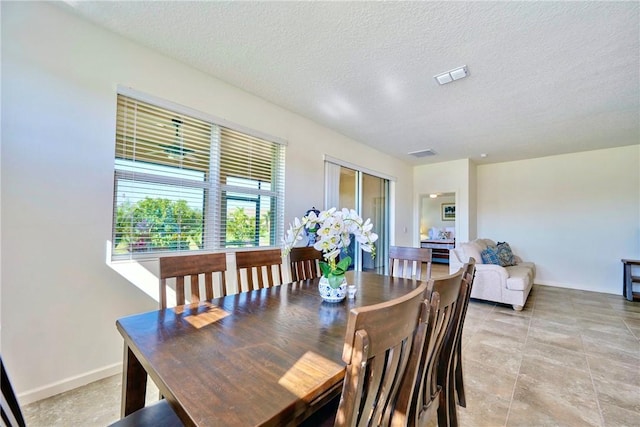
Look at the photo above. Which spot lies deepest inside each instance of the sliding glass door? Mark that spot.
(368, 194)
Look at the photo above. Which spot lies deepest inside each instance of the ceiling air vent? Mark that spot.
(423, 153)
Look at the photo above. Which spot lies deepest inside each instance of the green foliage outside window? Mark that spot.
(157, 224)
(162, 224)
(241, 228)
(265, 226)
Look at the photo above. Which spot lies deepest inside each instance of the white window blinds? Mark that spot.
(183, 183)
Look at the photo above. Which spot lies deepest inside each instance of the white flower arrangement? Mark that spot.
(334, 229)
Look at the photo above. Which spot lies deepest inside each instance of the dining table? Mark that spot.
(267, 357)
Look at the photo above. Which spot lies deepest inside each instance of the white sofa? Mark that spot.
(507, 285)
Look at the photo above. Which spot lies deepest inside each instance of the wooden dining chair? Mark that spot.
(9, 409)
(409, 262)
(423, 402)
(193, 266)
(376, 350)
(259, 267)
(447, 411)
(304, 263)
(467, 277)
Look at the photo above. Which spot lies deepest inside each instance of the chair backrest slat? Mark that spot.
(192, 266)
(377, 347)
(180, 292)
(208, 286)
(410, 263)
(420, 401)
(455, 380)
(449, 289)
(304, 262)
(195, 290)
(248, 261)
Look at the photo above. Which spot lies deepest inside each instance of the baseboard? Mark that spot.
(67, 384)
(570, 286)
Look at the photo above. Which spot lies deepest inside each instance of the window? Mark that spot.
(184, 183)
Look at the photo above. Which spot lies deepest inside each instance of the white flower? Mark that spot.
(336, 228)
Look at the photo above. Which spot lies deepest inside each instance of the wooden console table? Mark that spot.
(629, 279)
(439, 248)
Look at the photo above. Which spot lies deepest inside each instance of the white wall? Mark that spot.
(60, 299)
(576, 215)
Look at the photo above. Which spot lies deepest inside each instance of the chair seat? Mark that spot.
(159, 414)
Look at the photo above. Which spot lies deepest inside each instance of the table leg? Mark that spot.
(134, 384)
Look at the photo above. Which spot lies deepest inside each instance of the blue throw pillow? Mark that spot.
(505, 254)
(490, 256)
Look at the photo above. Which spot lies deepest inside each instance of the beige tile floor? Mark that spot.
(570, 358)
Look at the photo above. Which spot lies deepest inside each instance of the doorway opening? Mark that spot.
(438, 224)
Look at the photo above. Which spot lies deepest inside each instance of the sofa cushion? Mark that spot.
(471, 250)
(505, 254)
(490, 256)
(490, 242)
(484, 243)
(519, 278)
(480, 244)
(531, 266)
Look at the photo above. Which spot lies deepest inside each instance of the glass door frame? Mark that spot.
(331, 198)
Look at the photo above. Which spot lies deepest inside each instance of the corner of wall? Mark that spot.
(473, 200)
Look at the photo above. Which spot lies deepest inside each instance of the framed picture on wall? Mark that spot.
(448, 211)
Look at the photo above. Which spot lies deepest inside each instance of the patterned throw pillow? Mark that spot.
(490, 256)
(505, 254)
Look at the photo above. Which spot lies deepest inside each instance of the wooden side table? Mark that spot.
(629, 279)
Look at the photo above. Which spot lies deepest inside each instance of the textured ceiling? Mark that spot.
(545, 78)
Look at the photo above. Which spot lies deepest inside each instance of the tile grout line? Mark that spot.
(593, 383)
(513, 390)
(626, 324)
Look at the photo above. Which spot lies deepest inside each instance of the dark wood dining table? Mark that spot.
(266, 357)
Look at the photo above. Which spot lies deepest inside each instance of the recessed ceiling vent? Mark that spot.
(451, 75)
(423, 153)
